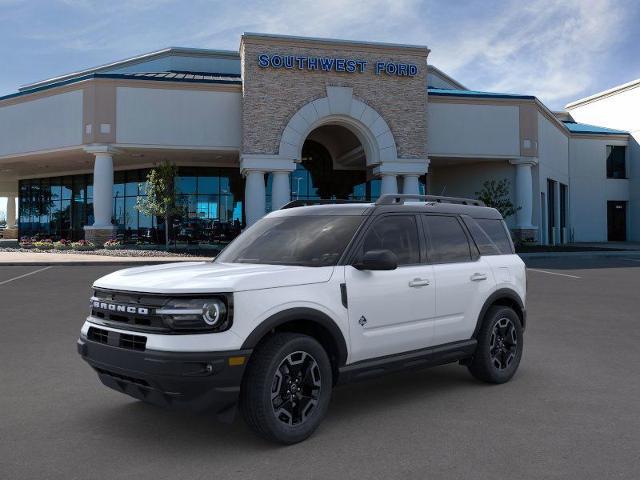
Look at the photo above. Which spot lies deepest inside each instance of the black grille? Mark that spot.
(147, 321)
(126, 378)
(98, 335)
(122, 340)
(133, 342)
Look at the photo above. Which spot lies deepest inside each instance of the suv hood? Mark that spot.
(208, 277)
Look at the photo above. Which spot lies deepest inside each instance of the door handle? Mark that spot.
(476, 277)
(419, 282)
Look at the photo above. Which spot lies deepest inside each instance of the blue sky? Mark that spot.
(557, 50)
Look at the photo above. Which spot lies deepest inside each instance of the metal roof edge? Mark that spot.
(605, 93)
(131, 61)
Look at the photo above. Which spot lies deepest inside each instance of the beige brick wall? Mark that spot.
(271, 96)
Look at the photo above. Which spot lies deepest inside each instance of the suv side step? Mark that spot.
(426, 357)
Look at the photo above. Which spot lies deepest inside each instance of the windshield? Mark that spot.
(310, 241)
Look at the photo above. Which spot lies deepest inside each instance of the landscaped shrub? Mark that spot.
(43, 244)
(26, 242)
(113, 244)
(83, 245)
(62, 245)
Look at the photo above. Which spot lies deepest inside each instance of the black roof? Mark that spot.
(383, 206)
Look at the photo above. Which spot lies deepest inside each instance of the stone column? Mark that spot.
(102, 228)
(411, 185)
(254, 196)
(525, 230)
(389, 184)
(280, 190)
(11, 232)
(11, 212)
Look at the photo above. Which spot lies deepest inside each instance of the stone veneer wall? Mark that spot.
(272, 96)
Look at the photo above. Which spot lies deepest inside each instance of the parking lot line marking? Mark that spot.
(25, 275)
(632, 259)
(553, 273)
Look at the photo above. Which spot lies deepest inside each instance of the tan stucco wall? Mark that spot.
(272, 96)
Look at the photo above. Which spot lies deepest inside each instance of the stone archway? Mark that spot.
(339, 107)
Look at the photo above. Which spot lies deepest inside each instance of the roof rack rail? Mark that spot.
(394, 199)
(321, 201)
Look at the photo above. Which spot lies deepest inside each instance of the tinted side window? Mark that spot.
(497, 232)
(448, 242)
(397, 233)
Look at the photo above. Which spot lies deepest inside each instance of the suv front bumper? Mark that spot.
(197, 381)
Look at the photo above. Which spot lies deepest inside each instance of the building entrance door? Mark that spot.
(617, 221)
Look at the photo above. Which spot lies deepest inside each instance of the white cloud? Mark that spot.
(548, 48)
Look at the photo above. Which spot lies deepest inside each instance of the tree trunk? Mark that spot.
(166, 232)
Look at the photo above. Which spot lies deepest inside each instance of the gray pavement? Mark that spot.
(572, 411)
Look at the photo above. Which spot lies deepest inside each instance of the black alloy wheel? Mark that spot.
(296, 388)
(500, 346)
(287, 387)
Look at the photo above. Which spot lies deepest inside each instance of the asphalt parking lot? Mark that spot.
(572, 411)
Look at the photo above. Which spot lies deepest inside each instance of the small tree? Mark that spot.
(161, 199)
(496, 194)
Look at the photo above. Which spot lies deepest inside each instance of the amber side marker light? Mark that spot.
(236, 361)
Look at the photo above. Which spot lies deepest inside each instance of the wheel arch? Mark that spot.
(506, 297)
(307, 321)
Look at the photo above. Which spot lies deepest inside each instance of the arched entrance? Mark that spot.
(333, 165)
(333, 147)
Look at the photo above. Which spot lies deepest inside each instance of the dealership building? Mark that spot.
(305, 118)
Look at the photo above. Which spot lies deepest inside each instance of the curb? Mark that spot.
(86, 264)
(591, 254)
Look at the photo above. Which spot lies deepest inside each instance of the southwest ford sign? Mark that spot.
(334, 64)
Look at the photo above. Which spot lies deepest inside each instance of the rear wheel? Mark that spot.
(287, 388)
(499, 349)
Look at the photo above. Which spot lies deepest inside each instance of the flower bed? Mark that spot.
(83, 245)
(113, 245)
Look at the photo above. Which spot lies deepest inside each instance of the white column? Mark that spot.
(389, 184)
(254, 196)
(103, 189)
(280, 190)
(524, 193)
(11, 212)
(411, 185)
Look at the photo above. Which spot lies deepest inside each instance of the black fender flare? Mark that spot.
(300, 314)
(500, 294)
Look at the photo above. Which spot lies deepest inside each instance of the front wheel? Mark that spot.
(500, 343)
(287, 388)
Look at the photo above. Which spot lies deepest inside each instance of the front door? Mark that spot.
(617, 221)
(391, 311)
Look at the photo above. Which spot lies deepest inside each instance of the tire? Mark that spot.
(500, 345)
(296, 368)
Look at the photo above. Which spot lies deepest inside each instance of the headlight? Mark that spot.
(196, 314)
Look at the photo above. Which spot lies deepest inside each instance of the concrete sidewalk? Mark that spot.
(37, 259)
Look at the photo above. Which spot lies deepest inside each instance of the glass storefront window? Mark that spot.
(60, 207)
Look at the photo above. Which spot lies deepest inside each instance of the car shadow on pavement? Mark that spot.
(143, 424)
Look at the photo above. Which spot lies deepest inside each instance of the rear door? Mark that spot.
(391, 311)
(463, 279)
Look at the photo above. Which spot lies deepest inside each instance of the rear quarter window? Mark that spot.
(491, 236)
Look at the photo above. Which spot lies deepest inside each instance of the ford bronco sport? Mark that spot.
(310, 297)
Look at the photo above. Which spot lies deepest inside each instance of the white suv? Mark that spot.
(309, 297)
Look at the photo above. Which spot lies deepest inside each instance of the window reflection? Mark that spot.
(210, 198)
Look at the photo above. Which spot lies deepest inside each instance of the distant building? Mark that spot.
(288, 117)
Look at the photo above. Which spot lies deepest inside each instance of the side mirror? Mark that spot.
(377, 260)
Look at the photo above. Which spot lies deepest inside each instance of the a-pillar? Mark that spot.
(524, 230)
(102, 228)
